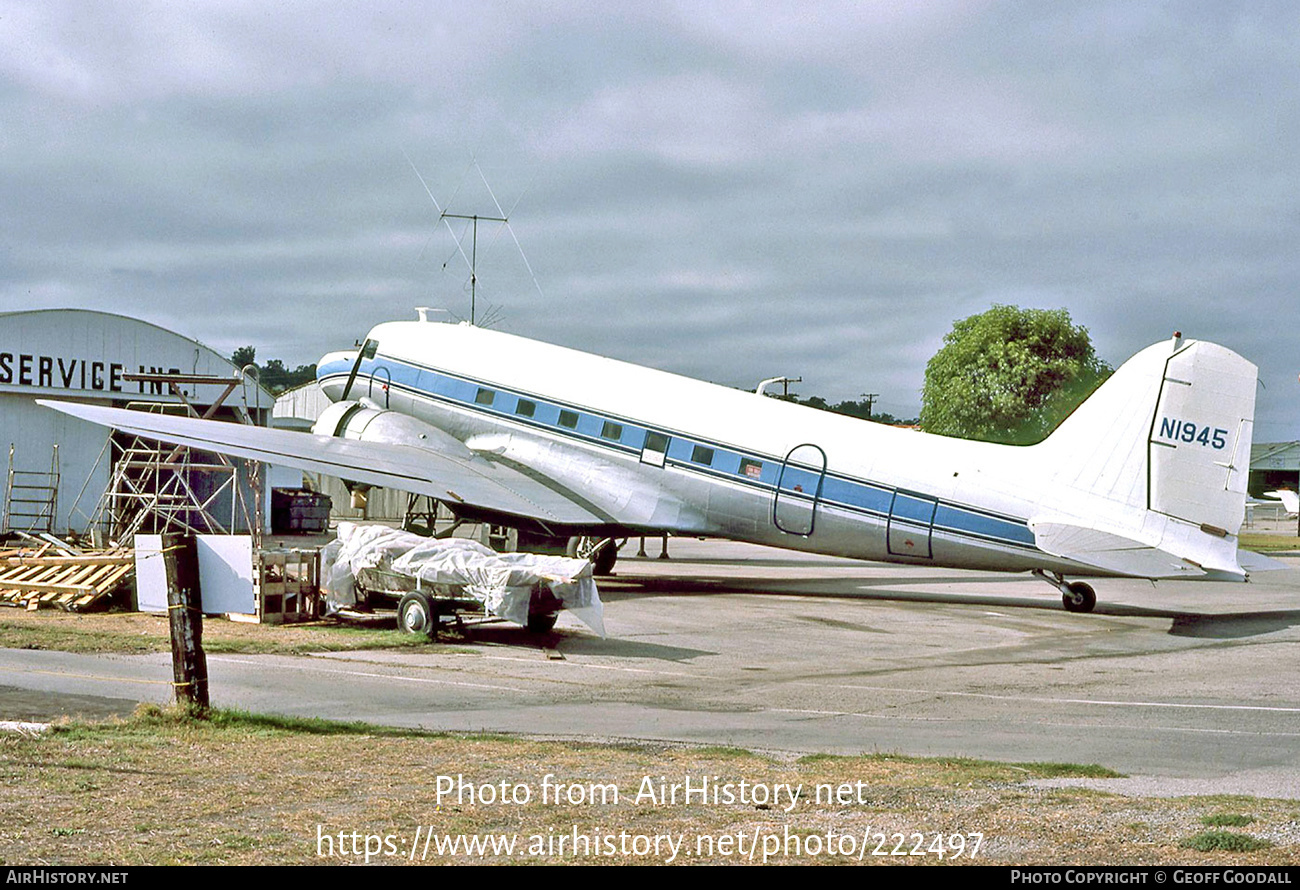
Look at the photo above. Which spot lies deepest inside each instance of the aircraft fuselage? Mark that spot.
(650, 451)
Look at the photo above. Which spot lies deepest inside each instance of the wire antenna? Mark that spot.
(471, 260)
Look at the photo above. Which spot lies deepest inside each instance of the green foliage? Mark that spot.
(1009, 375)
(273, 374)
(1227, 841)
(849, 408)
(277, 378)
(1227, 820)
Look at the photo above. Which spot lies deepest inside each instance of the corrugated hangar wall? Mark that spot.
(83, 355)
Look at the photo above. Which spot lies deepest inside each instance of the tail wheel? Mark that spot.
(1079, 597)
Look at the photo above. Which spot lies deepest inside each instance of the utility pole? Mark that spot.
(870, 398)
(784, 381)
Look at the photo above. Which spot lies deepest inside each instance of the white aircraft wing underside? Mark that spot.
(476, 481)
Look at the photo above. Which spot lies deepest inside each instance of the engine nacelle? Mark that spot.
(366, 422)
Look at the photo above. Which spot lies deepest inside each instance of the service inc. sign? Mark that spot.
(69, 372)
(84, 352)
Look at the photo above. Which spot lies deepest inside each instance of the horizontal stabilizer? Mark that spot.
(476, 481)
(1258, 562)
(1110, 552)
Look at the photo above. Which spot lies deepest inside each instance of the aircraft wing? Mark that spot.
(475, 481)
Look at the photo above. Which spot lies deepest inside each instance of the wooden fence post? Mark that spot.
(185, 613)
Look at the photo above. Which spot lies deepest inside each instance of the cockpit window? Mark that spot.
(370, 348)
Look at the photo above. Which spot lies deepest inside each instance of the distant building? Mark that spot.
(297, 409)
(1274, 465)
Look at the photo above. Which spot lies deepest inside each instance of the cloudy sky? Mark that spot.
(727, 190)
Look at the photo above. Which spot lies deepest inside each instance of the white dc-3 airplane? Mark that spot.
(1147, 478)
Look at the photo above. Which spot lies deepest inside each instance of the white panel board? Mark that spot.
(150, 574)
(226, 573)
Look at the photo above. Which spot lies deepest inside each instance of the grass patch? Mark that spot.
(137, 633)
(233, 718)
(725, 751)
(1227, 820)
(1224, 841)
(982, 768)
(1070, 771)
(1261, 543)
(234, 787)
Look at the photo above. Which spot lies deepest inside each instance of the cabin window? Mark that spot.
(751, 468)
(369, 350)
(485, 396)
(611, 430)
(525, 408)
(569, 420)
(655, 449)
(702, 455)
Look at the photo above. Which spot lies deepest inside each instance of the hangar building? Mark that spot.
(1274, 465)
(60, 467)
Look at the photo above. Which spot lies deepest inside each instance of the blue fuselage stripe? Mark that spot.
(626, 436)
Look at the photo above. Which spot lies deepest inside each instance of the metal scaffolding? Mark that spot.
(156, 488)
(31, 497)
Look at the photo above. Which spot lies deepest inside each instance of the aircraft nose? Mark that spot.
(332, 362)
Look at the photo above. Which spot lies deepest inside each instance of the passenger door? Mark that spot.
(799, 490)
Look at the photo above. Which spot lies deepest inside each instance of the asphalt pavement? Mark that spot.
(1189, 687)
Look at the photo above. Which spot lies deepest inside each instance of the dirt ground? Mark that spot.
(162, 788)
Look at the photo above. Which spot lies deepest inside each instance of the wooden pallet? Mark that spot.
(45, 578)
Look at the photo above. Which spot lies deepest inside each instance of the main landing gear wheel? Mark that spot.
(603, 552)
(1079, 597)
(415, 615)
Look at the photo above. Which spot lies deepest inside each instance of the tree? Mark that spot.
(1009, 375)
(849, 408)
(273, 374)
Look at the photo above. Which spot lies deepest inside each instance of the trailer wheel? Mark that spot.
(415, 615)
(542, 622)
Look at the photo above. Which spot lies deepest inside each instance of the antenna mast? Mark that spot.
(473, 263)
(443, 216)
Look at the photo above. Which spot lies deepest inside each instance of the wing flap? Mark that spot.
(476, 481)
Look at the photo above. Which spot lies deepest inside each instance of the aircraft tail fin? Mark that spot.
(1167, 439)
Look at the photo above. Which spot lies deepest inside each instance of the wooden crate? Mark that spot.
(288, 585)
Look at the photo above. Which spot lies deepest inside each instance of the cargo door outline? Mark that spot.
(794, 511)
(911, 525)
